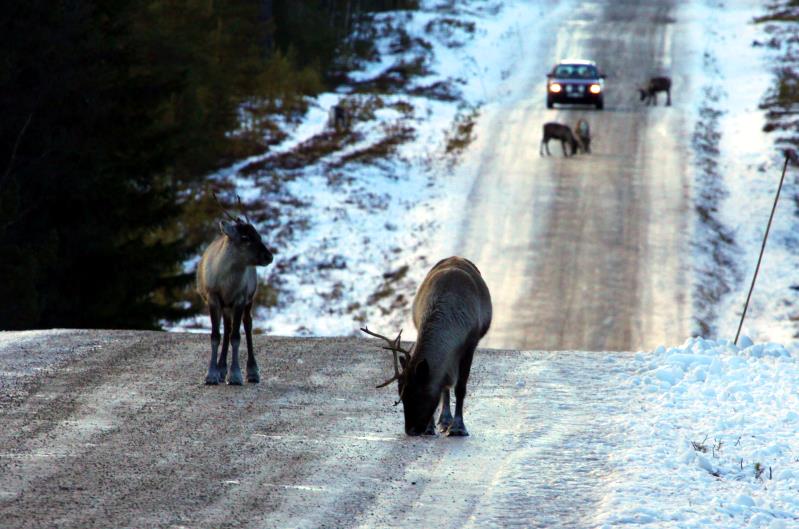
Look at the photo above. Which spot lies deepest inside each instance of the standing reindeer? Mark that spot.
(227, 281)
(557, 131)
(650, 90)
(583, 132)
(339, 117)
(451, 311)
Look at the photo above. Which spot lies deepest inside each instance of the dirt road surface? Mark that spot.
(589, 252)
(114, 429)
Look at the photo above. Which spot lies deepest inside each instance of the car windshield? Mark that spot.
(575, 71)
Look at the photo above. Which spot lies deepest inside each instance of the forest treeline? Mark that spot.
(113, 114)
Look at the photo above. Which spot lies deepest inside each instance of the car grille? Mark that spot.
(575, 90)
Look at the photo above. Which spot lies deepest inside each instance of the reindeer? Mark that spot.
(339, 117)
(227, 281)
(561, 132)
(451, 311)
(656, 84)
(583, 132)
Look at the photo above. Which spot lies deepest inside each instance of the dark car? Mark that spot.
(576, 82)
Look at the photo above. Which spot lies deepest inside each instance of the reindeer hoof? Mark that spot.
(457, 432)
(457, 429)
(234, 378)
(212, 378)
(444, 422)
(253, 377)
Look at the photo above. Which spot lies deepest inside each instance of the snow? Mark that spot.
(360, 221)
(16, 339)
(709, 439)
(730, 76)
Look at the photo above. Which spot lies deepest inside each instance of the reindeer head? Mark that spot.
(419, 398)
(575, 144)
(244, 237)
(247, 241)
(643, 90)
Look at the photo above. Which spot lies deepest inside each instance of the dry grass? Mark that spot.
(395, 135)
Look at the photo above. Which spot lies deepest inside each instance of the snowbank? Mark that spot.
(737, 170)
(711, 439)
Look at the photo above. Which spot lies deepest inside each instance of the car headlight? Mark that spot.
(555, 88)
(595, 89)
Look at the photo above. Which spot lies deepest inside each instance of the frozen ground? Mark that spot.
(710, 439)
(116, 429)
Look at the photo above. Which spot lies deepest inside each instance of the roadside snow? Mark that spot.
(364, 234)
(741, 167)
(710, 439)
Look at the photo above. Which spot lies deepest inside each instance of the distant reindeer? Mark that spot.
(558, 131)
(227, 281)
(583, 132)
(339, 117)
(451, 311)
(650, 90)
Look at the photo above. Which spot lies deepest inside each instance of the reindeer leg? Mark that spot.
(457, 428)
(563, 146)
(234, 378)
(212, 377)
(445, 419)
(222, 364)
(431, 426)
(668, 98)
(253, 374)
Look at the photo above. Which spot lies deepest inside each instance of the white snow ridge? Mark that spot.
(710, 439)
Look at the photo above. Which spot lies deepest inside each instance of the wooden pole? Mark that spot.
(762, 247)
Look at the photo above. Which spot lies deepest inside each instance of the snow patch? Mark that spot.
(717, 450)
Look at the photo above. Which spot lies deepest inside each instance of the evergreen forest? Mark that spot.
(114, 113)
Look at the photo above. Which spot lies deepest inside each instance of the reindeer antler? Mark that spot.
(395, 346)
(224, 209)
(243, 212)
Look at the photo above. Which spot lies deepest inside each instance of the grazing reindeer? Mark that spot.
(227, 281)
(557, 131)
(655, 85)
(583, 132)
(451, 311)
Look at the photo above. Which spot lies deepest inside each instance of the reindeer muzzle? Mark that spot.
(265, 257)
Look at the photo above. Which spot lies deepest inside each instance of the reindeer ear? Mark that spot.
(229, 229)
(423, 370)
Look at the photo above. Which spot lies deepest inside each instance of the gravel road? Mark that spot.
(116, 429)
(590, 252)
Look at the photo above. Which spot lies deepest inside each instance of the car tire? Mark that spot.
(550, 102)
(600, 104)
